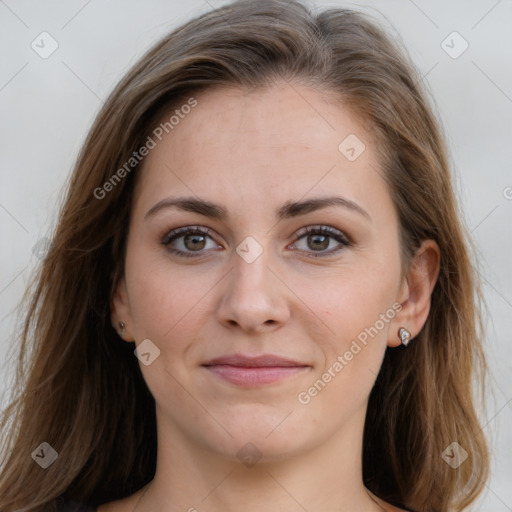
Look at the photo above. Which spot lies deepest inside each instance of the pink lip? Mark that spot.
(254, 371)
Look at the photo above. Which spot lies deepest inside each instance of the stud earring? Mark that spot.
(123, 327)
(404, 335)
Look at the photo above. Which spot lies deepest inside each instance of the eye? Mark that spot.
(318, 238)
(187, 239)
(193, 239)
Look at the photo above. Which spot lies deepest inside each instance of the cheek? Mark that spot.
(162, 299)
(354, 348)
(165, 309)
(356, 306)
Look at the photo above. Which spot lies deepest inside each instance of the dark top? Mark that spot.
(74, 506)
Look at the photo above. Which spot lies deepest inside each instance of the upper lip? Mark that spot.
(269, 360)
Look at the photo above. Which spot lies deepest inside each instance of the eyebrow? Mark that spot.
(288, 210)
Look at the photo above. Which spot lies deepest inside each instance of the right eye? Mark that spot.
(190, 240)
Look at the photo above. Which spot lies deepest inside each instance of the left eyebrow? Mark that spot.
(296, 208)
(288, 210)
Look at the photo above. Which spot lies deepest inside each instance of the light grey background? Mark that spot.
(47, 106)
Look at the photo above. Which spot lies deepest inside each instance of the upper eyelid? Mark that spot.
(182, 231)
(330, 231)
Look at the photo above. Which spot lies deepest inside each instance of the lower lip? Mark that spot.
(253, 377)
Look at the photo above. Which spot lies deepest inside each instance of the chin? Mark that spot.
(261, 441)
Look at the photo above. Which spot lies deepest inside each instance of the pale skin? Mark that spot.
(251, 152)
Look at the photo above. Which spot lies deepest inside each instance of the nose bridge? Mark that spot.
(252, 296)
(251, 273)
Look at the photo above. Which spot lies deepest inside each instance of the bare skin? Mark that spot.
(251, 153)
(131, 503)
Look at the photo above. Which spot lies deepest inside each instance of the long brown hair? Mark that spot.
(78, 385)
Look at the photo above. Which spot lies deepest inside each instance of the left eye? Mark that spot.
(193, 240)
(318, 238)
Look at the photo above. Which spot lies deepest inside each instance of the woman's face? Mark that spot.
(257, 283)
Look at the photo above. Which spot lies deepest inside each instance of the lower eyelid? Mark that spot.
(326, 253)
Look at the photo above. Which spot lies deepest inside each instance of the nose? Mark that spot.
(254, 297)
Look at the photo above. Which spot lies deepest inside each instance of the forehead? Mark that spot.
(286, 139)
(281, 117)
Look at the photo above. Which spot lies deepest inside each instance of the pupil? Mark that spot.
(194, 238)
(323, 245)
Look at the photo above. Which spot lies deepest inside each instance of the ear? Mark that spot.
(120, 310)
(416, 291)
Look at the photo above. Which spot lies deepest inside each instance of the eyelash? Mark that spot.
(309, 230)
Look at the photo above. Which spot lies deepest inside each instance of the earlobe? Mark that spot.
(416, 294)
(120, 314)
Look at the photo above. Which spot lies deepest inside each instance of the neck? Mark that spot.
(324, 477)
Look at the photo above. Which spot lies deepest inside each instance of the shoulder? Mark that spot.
(388, 507)
(123, 505)
(392, 508)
